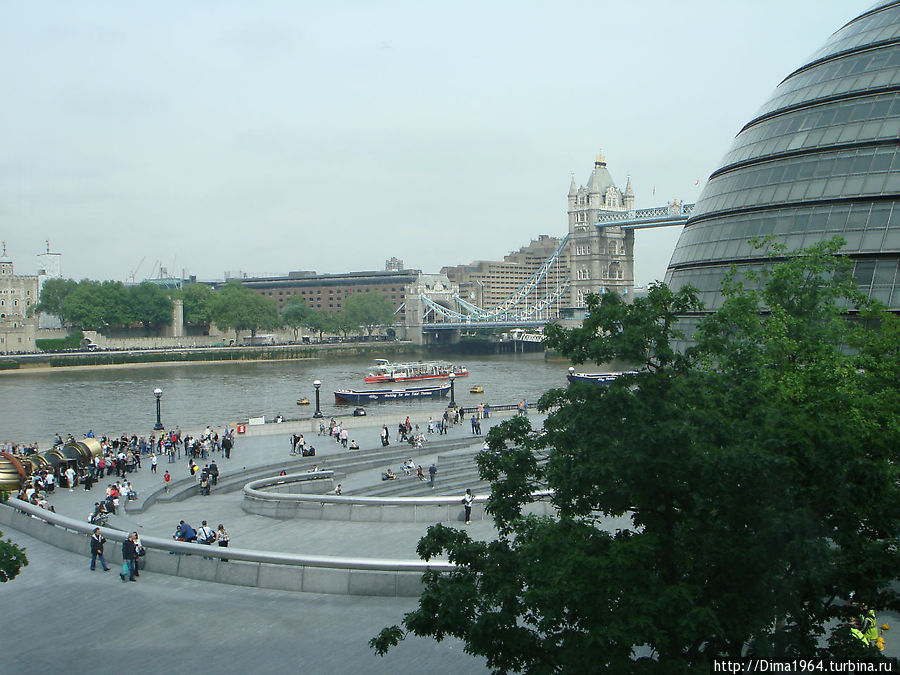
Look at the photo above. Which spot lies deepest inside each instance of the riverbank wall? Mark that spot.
(28, 362)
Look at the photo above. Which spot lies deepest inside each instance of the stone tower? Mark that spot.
(600, 256)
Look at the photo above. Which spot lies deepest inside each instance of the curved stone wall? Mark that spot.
(260, 569)
(260, 499)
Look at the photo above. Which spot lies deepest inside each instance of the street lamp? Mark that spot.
(452, 390)
(571, 372)
(318, 412)
(159, 425)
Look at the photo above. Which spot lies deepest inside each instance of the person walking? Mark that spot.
(167, 477)
(222, 538)
(432, 472)
(467, 505)
(129, 558)
(153, 463)
(97, 541)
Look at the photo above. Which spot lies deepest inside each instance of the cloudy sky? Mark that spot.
(271, 136)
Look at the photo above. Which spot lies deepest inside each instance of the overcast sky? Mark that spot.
(270, 136)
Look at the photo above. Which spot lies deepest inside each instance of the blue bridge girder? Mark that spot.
(639, 219)
(473, 325)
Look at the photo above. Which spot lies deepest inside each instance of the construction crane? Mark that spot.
(135, 271)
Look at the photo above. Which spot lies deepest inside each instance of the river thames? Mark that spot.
(37, 404)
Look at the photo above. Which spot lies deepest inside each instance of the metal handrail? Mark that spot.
(245, 555)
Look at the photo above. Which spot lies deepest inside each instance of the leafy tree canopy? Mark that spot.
(150, 305)
(197, 299)
(723, 501)
(53, 293)
(368, 310)
(240, 308)
(322, 322)
(12, 559)
(296, 314)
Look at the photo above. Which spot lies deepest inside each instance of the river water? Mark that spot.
(35, 405)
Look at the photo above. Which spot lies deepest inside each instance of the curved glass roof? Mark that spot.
(821, 157)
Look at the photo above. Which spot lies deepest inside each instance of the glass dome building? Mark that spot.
(820, 158)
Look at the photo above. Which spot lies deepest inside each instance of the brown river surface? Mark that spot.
(35, 405)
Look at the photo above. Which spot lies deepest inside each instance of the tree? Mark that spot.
(83, 306)
(237, 307)
(369, 310)
(150, 305)
(723, 501)
(197, 299)
(12, 559)
(322, 322)
(116, 304)
(296, 314)
(53, 293)
(344, 323)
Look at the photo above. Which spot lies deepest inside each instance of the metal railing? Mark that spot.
(232, 554)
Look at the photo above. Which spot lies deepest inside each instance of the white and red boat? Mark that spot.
(385, 371)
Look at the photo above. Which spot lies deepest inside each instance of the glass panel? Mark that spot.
(885, 271)
(863, 273)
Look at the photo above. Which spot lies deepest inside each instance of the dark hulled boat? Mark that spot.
(359, 396)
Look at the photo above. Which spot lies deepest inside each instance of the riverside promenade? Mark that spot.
(88, 621)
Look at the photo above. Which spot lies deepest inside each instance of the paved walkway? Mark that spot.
(165, 624)
(381, 540)
(61, 617)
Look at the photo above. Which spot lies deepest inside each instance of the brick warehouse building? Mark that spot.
(327, 291)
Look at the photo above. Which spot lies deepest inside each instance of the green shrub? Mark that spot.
(71, 341)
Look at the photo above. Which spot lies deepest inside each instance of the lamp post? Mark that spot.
(452, 390)
(571, 373)
(318, 412)
(159, 425)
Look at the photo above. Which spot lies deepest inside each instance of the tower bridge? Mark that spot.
(437, 312)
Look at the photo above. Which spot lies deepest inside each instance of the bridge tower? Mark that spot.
(599, 259)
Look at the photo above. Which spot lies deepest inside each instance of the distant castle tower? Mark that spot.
(600, 258)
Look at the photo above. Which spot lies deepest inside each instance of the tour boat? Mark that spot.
(385, 371)
(603, 379)
(358, 396)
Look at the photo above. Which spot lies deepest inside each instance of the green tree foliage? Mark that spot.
(92, 305)
(296, 314)
(197, 299)
(236, 307)
(12, 560)
(150, 305)
(345, 323)
(725, 501)
(83, 306)
(53, 293)
(322, 322)
(369, 310)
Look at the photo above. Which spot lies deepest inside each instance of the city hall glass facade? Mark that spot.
(820, 158)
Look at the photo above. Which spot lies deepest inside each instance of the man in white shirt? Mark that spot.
(206, 535)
